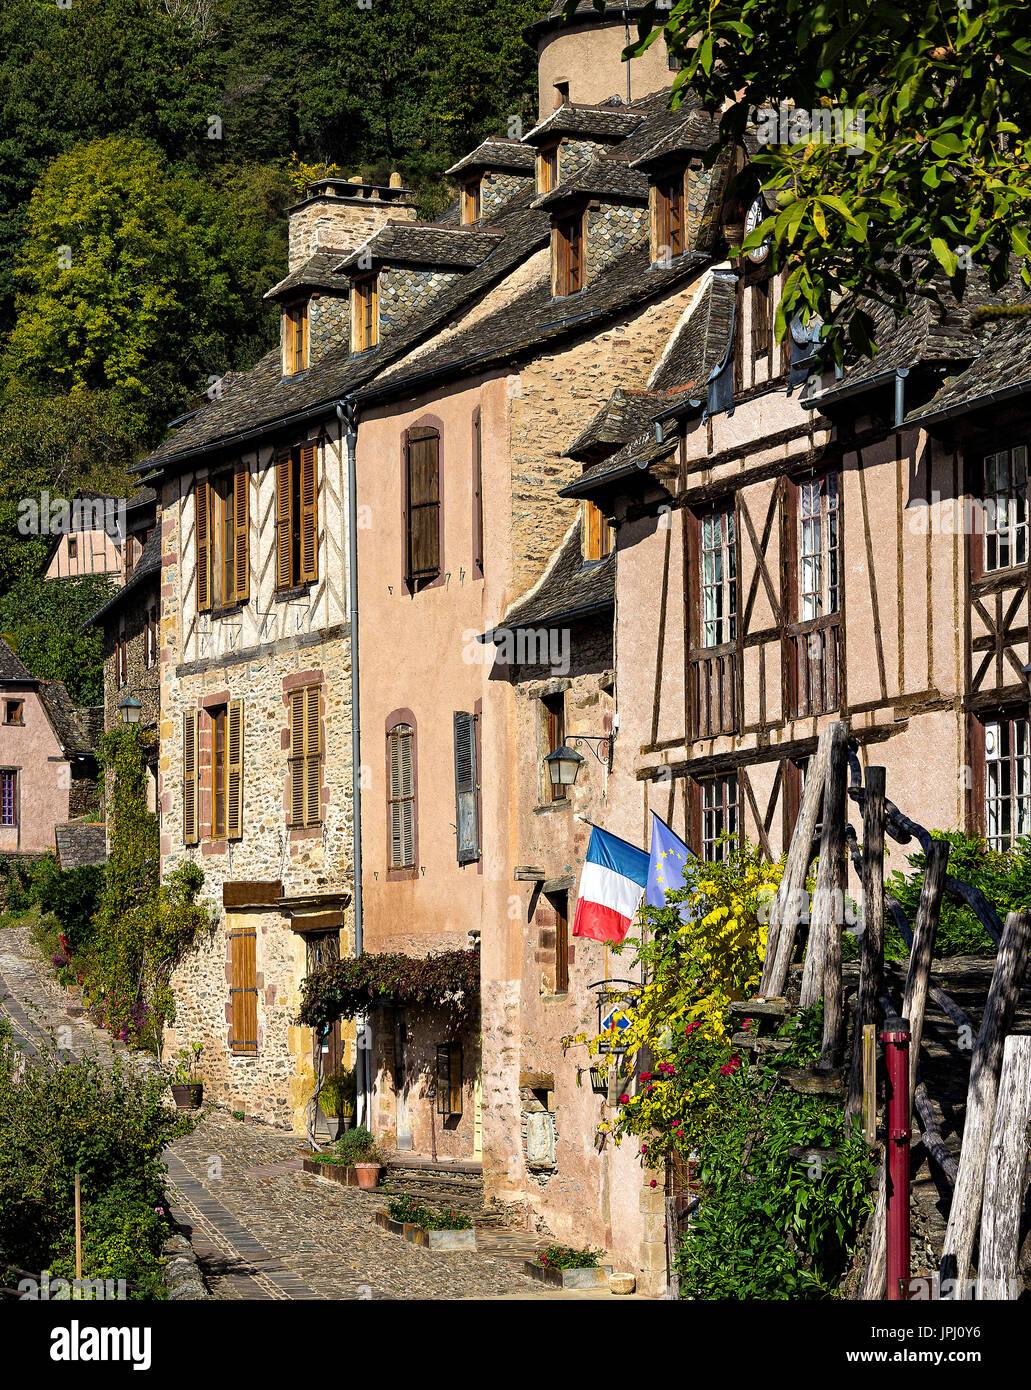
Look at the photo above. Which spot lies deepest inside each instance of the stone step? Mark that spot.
(438, 1196)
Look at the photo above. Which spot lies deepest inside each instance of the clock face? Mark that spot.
(757, 214)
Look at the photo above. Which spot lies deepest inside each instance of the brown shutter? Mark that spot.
(309, 513)
(284, 513)
(423, 504)
(241, 559)
(402, 798)
(203, 531)
(244, 990)
(312, 756)
(234, 771)
(466, 808)
(478, 483)
(297, 757)
(561, 258)
(190, 831)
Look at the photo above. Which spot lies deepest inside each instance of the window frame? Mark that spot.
(472, 200)
(296, 337)
(730, 801)
(1018, 535)
(365, 312)
(222, 538)
(449, 1065)
(1011, 719)
(569, 235)
(597, 533)
(298, 483)
(19, 722)
(401, 724)
(553, 736)
(422, 433)
(549, 166)
(305, 756)
(10, 776)
(669, 217)
(814, 642)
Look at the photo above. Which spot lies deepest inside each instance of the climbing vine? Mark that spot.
(142, 927)
(449, 980)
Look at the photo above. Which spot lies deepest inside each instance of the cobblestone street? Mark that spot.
(261, 1227)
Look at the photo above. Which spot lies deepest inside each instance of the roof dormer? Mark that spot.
(313, 310)
(490, 176)
(572, 136)
(596, 217)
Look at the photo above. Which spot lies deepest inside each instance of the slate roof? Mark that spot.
(78, 845)
(497, 153)
(317, 273)
(695, 131)
(147, 567)
(701, 340)
(91, 717)
(424, 243)
(605, 177)
(569, 588)
(634, 459)
(625, 414)
(12, 668)
(64, 719)
(1001, 369)
(583, 13)
(604, 122)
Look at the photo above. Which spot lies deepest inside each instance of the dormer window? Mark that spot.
(295, 338)
(569, 255)
(596, 533)
(669, 224)
(547, 168)
(365, 313)
(471, 206)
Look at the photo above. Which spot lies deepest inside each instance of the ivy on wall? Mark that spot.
(449, 980)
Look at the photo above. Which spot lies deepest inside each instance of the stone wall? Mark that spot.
(404, 290)
(329, 323)
(612, 229)
(341, 223)
(144, 681)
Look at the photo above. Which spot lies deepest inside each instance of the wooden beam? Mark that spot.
(829, 912)
(914, 1001)
(985, 1067)
(1005, 1176)
(868, 1034)
(871, 942)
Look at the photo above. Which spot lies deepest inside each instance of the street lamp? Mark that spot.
(129, 710)
(563, 765)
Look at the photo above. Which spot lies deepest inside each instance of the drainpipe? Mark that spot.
(346, 411)
(626, 30)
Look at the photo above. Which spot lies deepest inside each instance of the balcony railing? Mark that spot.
(814, 665)
(713, 692)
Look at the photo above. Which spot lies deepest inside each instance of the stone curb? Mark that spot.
(182, 1274)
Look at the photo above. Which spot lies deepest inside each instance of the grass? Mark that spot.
(28, 918)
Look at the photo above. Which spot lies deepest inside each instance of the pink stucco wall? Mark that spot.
(43, 775)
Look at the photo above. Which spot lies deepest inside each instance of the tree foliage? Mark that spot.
(941, 181)
(42, 621)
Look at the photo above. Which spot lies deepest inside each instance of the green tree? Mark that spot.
(940, 182)
(42, 620)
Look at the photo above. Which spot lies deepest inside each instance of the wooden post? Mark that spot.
(985, 1066)
(1004, 1176)
(871, 943)
(78, 1229)
(914, 1002)
(824, 909)
(829, 911)
(787, 905)
(869, 1043)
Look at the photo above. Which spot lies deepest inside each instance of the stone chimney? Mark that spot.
(342, 213)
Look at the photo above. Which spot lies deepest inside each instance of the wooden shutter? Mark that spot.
(284, 514)
(449, 1079)
(467, 821)
(402, 798)
(244, 990)
(561, 260)
(190, 827)
(297, 757)
(478, 484)
(423, 504)
(560, 902)
(203, 532)
(241, 559)
(309, 513)
(312, 756)
(234, 771)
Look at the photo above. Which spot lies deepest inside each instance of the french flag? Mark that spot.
(612, 883)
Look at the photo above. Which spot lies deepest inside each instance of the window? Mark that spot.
(560, 906)
(305, 756)
(449, 1079)
(561, 94)
(598, 533)
(422, 511)
(73, 547)
(297, 516)
(670, 225)
(553, 715)
(1007, 781)
(467, 817)
(401, 796)
(8, 796)
(762, 335)
(1005, 509)
(191, 822)
(14, 711)
(365, 313)
(471, 201)
(227, 771)
(295, 339)
(218, 773)
(478, 493)
(221, 529)
(719, 816)
(121, 656)
(718, 580)
(569, 254)
(243, 991)
(819, 584)
(548, 168)
(150, 637)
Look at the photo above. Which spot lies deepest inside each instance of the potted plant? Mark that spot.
(358, 1150)
(186, 1080)
(336, 1097)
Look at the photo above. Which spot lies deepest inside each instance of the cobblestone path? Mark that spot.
(261, 1227)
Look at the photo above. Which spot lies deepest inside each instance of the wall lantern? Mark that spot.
(563, 765)
(129, 710)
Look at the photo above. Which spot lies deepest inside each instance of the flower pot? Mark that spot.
(367, 1174)
(333, 1125)
(188, 1096)
(347, 1120)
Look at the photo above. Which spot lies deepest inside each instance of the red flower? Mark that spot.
(624, 1098)
(646, 1076)
(653, 1183)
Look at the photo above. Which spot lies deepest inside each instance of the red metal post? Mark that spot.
(896, 1037)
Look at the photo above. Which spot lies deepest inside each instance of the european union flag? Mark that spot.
(670, 865)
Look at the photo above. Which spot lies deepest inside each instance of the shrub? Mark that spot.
(407, 1208)
(73, 897)
(447, 1219)
(568, 1257)
(356, 1146)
